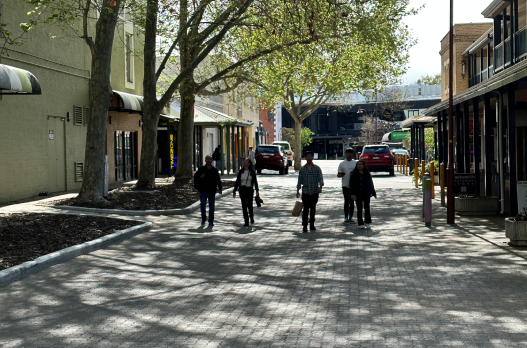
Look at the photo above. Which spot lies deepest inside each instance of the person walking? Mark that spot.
(344, 172)
(361, 190)
(252, 156)
(246, 183)
(216, 156)
(311, 181)
(206, 180)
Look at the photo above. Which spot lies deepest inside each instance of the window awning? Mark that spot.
(130, 102)
(17, 81)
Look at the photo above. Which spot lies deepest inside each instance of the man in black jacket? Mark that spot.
(206, 180)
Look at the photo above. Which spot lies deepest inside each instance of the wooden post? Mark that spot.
(416, 172)
(227, 150)
(442, 183)
(432, 178)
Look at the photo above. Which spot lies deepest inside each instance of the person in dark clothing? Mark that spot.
(310, 179)
(216, 156)
(361, 190)
(245, 181)
(206, 180)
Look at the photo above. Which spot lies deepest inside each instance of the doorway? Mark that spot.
(56, 154)
(125, 150)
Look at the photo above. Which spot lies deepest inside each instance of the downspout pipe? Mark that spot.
(499, 116)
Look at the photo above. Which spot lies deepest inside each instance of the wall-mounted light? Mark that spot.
(463, 68)
(140, 123)
(68, 116)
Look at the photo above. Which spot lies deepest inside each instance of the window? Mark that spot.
(270, 115)
(129, 65)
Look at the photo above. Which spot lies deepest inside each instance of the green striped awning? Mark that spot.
(17, 81)
(130, 102)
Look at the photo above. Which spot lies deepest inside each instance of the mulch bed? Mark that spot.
(174, 196)
(24, 237)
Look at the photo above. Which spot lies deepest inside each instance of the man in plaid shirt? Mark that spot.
(311, 181)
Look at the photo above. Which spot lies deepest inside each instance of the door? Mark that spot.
(128, 156)
(56, 155)
(119, 155)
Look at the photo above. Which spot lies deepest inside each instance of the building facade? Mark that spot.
(489, 116)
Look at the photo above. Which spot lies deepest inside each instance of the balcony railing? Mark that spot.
(508, 51)
(521, 43)
(499, 56)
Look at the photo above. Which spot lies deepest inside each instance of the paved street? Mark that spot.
(399, 284)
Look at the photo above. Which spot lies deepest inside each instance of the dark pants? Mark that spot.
(310, 207)
(211, 197)
(349, 207)
(246, 196)
(367, 214)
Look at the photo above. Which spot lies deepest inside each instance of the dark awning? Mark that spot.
(17, 81)
(130, 102)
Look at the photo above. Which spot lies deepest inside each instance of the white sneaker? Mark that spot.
(362, 227)
(367, 225)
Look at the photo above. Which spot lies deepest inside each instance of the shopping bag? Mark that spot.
(298, 208)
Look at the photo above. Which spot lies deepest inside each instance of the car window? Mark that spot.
(267, 149)
(370, 150)
(284, 145)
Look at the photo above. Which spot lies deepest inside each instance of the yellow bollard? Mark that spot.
(432, 174)
(416, 172)
(406, 165)
(398, 159)
(442, 183)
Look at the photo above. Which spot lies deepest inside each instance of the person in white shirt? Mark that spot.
(344, 172)
(252, 156)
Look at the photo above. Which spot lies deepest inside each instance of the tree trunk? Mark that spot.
(100, 98)
(151, 111)
(298, 145)
(185, 147)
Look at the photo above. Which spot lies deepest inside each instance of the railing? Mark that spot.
(499, 57)
(484, 75)
(508, 51)
(521, 43)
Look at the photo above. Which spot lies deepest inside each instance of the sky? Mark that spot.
(430, 25)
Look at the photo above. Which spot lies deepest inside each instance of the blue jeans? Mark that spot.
(203, 200)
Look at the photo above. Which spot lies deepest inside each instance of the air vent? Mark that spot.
(77, 115)
(79, 171)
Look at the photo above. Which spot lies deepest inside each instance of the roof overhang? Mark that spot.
(129, 102)
(15, 81)
(480, 43)
(427, 121)
(495, 8)
(207, 117)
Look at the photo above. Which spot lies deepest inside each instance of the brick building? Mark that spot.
(267, 124)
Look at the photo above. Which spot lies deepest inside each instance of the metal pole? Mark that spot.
(450, 171)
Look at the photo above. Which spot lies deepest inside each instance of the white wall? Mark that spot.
(210, 139)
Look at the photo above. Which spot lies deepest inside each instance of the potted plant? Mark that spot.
(516, 229)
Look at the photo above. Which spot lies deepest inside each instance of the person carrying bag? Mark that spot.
(361, 190)
(246, 183)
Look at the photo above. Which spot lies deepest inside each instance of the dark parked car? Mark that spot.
(378, 158)
(271, 157)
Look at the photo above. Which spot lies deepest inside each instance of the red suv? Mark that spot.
(378, 158)
(271, 157)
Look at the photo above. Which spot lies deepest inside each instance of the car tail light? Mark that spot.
(388, 156)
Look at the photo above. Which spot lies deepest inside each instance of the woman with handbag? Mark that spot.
(245, 182)
(362, 189)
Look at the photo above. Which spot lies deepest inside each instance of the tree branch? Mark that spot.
(87, 39)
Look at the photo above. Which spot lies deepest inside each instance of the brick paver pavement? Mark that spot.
(179, 285)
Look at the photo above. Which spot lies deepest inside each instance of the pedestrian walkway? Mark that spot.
(399, 284)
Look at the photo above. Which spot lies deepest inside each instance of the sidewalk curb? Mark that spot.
(182, 211)
(30, 267)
